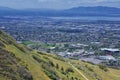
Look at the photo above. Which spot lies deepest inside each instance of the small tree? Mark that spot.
(57, 66)
(62, 69)
(72, 78)
(76, 78)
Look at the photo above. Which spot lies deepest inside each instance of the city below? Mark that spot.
(93, 41)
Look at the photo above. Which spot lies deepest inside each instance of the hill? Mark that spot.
(94, 11)
(5, 8)
(20, 63)
(7, 11)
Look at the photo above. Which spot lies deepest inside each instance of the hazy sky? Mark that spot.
(57, 4)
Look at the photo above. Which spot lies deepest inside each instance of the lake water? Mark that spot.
(88, 18)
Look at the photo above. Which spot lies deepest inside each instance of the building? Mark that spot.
(111, 51)
(107, 58)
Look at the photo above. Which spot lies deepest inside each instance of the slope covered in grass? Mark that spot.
(20, 63)
(35, 65)
(10, 66)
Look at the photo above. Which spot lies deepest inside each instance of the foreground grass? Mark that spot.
(44, 66)
(26, 59)
(93, 72)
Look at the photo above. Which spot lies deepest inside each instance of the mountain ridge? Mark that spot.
(77, 11)
(97, 8)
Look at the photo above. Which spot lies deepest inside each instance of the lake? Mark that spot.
(88, 18)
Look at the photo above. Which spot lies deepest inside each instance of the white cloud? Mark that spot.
(48, 0)
(42, 0)
(58, 4)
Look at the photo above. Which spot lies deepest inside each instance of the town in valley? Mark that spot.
(93, 41)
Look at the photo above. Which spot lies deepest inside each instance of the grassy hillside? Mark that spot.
(20, 63)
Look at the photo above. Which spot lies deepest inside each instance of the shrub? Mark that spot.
(103, 67)
(24, 73)
(41, 53)
(51, 63)
(50, 72)
(59, 58)
(2, 44)
(69, 70)
(38, 59)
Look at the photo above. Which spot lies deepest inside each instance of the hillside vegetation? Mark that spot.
(20, 63)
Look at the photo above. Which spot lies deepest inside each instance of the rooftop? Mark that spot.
(110, 49)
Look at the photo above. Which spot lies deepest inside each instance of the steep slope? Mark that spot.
(10, 67)
(28, 64)
(22, 57)
(20, 63)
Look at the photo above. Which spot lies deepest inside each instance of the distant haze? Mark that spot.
(57, 4)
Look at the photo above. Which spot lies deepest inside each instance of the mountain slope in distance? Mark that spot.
(77, 11)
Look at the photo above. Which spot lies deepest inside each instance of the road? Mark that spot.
(79, 71)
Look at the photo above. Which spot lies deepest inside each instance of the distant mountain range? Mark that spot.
(78, 11)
